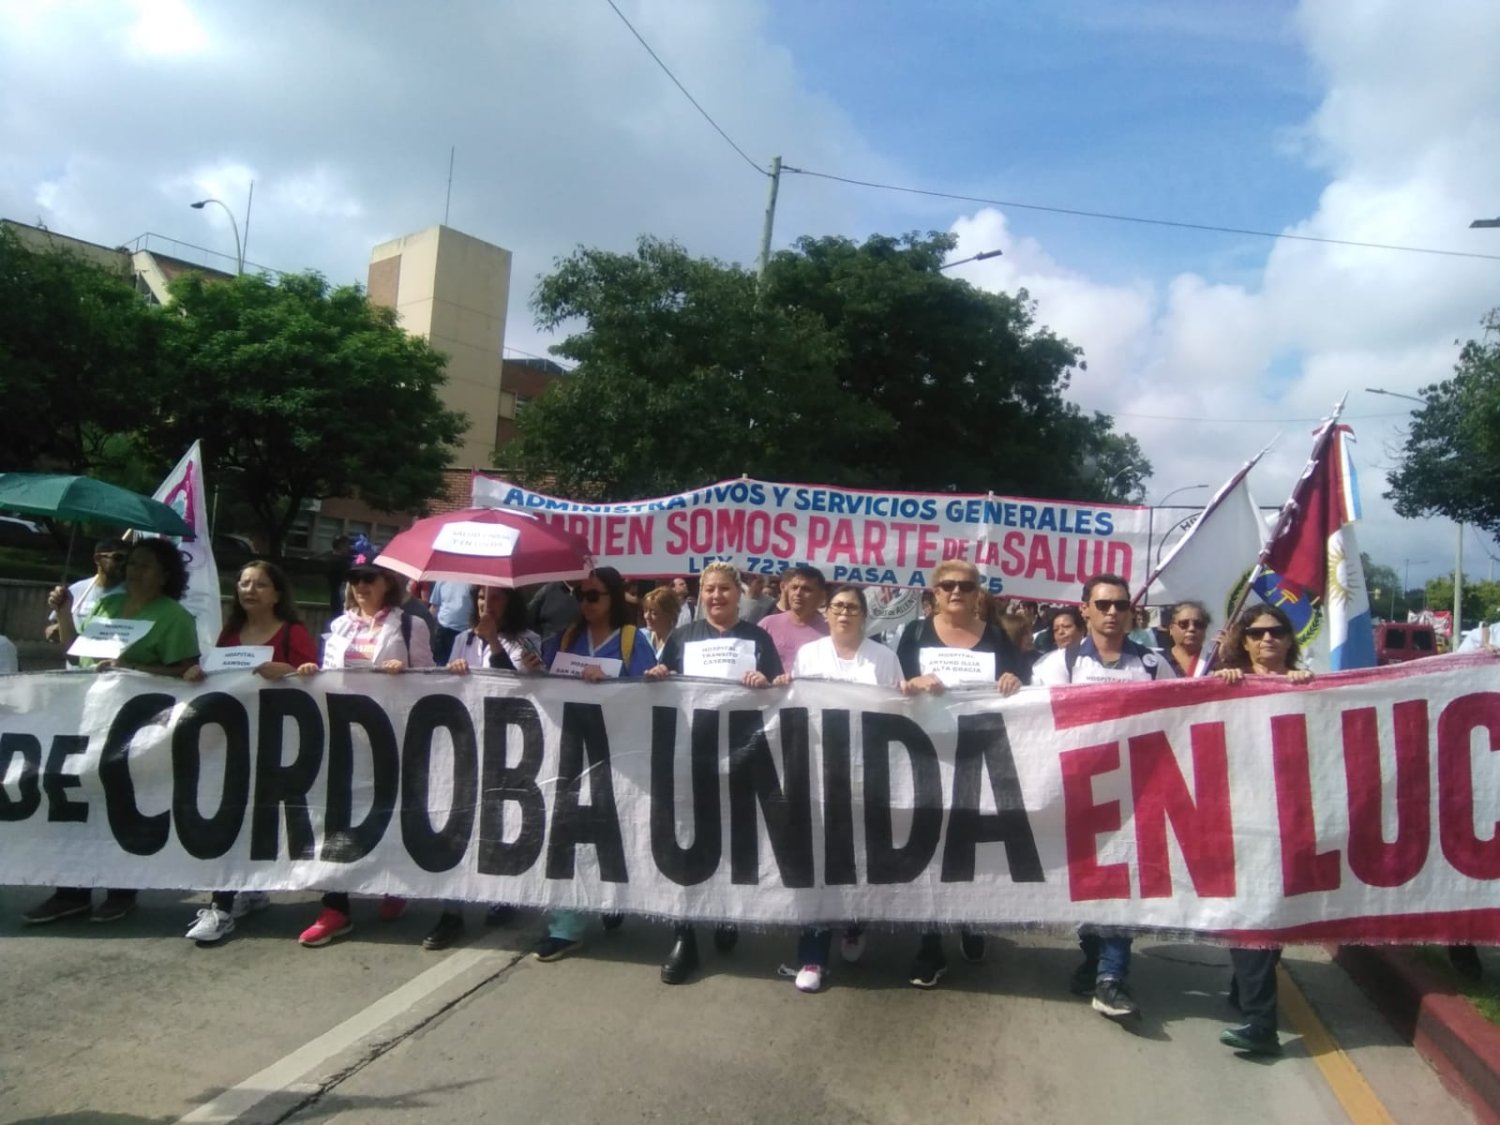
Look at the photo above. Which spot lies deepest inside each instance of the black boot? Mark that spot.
(725, 937)
(682, 962)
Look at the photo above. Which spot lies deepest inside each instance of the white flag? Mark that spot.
(183, 492)
(1213, 560)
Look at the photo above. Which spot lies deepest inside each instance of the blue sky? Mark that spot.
(1368, 120)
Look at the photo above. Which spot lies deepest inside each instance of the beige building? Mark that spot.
(451, 289)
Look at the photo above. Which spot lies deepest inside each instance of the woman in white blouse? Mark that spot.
(847, 655)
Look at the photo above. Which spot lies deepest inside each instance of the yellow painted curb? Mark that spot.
(1339, 1071)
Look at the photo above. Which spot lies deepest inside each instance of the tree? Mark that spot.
(854, 365)
(1481, 599)
(1451, 463)
(78, 360)
(302, 390)
(1384, 586)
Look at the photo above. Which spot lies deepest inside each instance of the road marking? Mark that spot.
(1343, 1077)
(239, 1100)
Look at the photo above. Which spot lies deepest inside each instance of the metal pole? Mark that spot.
(245, 245)
(765, 230)
(1458, 585)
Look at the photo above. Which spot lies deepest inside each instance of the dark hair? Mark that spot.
(173, 569)
(513, 618)
(111, 546)
(1232, 652)
(395, 589)
(1103, 580)
(620, 610)
(808, 571)
(850, 588)
(285, 608)
(1199, 606)
(1069, 611)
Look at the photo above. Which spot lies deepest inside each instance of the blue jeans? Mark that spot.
(567, 925)
(1111, 954)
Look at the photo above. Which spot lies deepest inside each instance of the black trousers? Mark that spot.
(1254, 984)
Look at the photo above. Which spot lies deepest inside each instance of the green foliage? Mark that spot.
(77, 360)
(298, 390)
(1451, 463)
(1481, 599)
(857, 365)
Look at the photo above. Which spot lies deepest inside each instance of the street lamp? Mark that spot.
(1458, 551)
(239, 247)
(981, 256)
(1480, 223)
(1185, 488)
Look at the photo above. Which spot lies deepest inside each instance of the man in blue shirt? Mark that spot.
(452, 604)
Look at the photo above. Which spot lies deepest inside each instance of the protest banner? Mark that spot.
(1358, 808)
(1037, 549)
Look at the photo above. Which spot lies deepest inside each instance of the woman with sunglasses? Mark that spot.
(1260, 642)
(604, 634)
(373, 632)
(847, 655)
(955, 625)
(264, 616)
(1188, 627)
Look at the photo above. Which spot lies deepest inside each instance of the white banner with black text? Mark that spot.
(1361, 807)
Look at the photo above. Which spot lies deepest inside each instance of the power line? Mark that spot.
(668, 72)
(1236, 421)
(1134, 218)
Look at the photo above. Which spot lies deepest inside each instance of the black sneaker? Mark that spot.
(499, 914)
(928, 968)
(1113, 1000)
(1085, 977)
(612, 922)
(554, 948)
(725, 937)
(1255, 1040)
(54, 909)
(971, 946)
(113, 908)
(449, 928)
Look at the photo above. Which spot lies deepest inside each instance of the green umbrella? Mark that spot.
(83, 498)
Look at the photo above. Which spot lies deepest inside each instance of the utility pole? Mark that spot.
(765, 230)
(1458, 586)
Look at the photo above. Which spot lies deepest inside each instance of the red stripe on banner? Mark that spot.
(1085, 705)
(1466, 927)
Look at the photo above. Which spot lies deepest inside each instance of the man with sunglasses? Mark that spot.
(109, 578)
(1105, 655)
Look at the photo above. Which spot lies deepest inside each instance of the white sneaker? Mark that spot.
(212, 925)
(852, 947)
(248, 902)
(810, 979)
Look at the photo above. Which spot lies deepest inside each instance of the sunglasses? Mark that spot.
(363, 579)
(1256, 632)
(964, 587)
(590, 596)
(1119, 605)
(1190, 623)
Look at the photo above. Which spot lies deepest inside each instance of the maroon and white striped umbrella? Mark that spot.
(487, 547)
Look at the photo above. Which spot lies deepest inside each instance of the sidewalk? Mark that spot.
(1425, 1007)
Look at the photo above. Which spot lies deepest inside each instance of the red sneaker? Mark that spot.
(330, 924)
(391, 908)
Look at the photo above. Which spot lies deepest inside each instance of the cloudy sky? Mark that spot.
(1361, 120)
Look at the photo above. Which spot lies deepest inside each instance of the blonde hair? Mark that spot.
(950, 566)
(664, 599)
(727, 569)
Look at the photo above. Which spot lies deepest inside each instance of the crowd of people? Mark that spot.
(792, 628)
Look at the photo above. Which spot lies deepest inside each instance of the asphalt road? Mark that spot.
(131, 1023)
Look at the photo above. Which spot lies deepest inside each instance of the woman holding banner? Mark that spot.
(1187, 624)
(372, 633)
(956, 647)
(659, 609)
(264, 617)
(1260, 642)
(159, 637)
(602, 645)
(497, 637)
(718, 645)
(846, 654)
